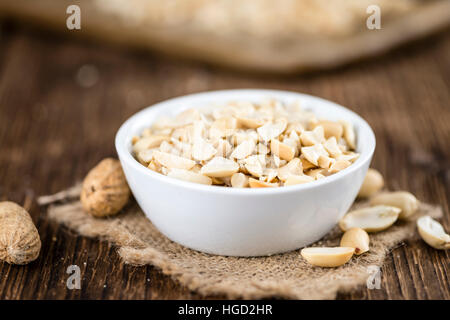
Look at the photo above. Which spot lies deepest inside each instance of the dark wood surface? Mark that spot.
(52, 131)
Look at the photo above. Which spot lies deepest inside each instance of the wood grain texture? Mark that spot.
(52, 131)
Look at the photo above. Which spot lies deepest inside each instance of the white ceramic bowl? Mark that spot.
(243, 222)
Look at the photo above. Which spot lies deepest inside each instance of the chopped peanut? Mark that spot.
(220, 167)
(260, 184)
(243, 144)
(239, 180)
(331, 128)
(282, 150)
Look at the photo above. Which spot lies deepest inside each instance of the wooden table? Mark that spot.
(53, 130)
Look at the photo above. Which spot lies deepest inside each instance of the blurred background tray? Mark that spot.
(268, 36)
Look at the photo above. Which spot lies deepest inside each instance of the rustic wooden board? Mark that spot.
(52, 131)
(300, 53)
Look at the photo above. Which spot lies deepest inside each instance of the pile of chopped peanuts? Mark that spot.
(244, 144)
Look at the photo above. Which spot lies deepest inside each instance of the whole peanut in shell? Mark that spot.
(105, 190)
(19, 238)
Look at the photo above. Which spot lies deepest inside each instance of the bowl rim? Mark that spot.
(126, 156)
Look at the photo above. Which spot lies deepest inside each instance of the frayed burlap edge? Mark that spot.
(283, 276)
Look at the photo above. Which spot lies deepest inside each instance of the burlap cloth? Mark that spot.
(283, 275)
